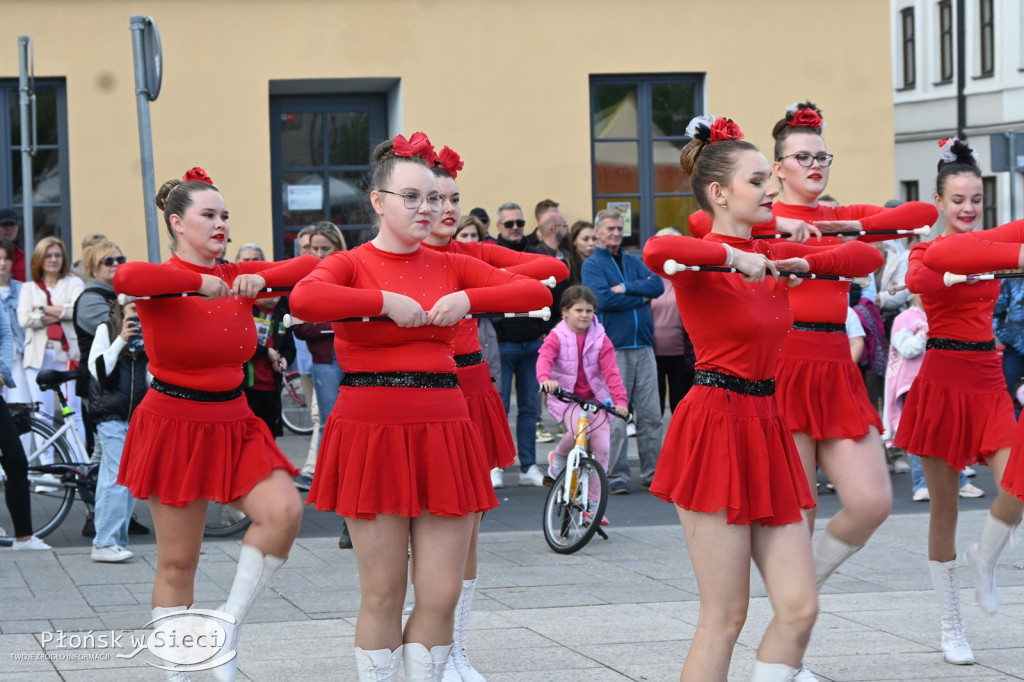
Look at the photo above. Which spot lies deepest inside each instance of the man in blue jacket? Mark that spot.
(624, 287)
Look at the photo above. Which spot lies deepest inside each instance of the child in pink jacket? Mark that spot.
(578, 357)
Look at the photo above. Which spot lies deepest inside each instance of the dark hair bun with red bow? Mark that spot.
(449, 161)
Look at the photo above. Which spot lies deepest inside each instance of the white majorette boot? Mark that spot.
(422, 665)
(255, 569)
(772, 672)
(983, 556)
(172, 675)
(379, 665)
(829, 554)
(459, 669)
(955, 648)
(804, 675)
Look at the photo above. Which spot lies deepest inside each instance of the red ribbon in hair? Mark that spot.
(725, 129)
(806, 117)
(416, 146)
(450, 161)
(197, 174)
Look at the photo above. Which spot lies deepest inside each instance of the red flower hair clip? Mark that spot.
(450, 161)
(725, 129)
(805, 116)
(197, 174)
(417, 146)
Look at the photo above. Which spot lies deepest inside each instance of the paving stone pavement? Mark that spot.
(622, 609)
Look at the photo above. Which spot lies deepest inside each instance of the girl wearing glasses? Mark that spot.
(482, 398)
(193, 438)
(728, 462)
(401, 458)
(958, 412)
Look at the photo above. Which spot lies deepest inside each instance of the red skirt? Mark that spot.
(180, 450)
(488, 413)
(1013, 475)
(821, 390)
(957, 409)
(401, 451)
(730, 451)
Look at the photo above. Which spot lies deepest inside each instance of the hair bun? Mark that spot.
(384, 151)
(165, 191)
(955, 150)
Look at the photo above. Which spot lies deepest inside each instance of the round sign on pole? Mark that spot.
(154, 58)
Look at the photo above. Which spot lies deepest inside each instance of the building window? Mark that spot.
(987, 38)
(945, 40)
(637, 129)
(320, 150)
(51, 205)
(990, 206)
(909, 63)
(910, 190)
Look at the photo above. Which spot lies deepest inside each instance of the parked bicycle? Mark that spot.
(55, 473)
(571, 517)
(294, 407)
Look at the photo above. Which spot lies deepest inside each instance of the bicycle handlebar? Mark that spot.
(586, 403)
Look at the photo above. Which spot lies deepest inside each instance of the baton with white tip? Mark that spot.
(542, 314)
(550, 282)
(671, 267)
(127, 298)
(951, 278)
(920, 231)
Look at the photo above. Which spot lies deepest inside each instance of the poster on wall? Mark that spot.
(626, 210)
(305, 197)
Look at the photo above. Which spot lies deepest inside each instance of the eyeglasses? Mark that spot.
(414, 201)
(553, 226)
(54, 255)
(509, 224)
(807, 160)
(109, 261)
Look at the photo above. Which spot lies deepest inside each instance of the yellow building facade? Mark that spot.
(535, 96)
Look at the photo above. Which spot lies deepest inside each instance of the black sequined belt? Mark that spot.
(819, 327)
(939, 343)
(469, 359)
(195, 394)
(401, 379)
(705, 377)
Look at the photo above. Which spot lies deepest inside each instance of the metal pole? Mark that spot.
(138, 23)
(961, 71)
(26, 97)
(1012, 154)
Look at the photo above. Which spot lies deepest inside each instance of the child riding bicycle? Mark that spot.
(578, 356)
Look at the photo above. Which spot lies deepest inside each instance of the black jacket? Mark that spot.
(119, 389)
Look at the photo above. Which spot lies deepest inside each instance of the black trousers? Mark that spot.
(677, 372)
(12, 457)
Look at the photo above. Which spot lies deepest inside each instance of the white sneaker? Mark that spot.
(970, 472)
(497, 478)
(32, 543)
(971, 491)
(630, 430)
(921, 495)
(542, 434)
(111, 554)
(900, 465)
(804, 675)
(532, 476)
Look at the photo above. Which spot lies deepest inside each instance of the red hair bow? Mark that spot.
(197, 174)
(450, 161)
(725, 129)
(416, 146)
(806, 117)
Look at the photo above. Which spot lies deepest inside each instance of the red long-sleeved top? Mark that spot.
(533, 265)
(737, 327)
(350, 284)
(963, 311)
(821, 301)
(191, 341)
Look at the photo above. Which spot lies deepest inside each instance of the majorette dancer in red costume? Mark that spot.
(482, 398)
(958, 412)
(400, 456)
(194, 439)
(729, 462)
(820, 388)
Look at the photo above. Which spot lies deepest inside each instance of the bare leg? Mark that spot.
(471, 559)
(381, 547)
(944, 489)
(276, 512)
(720, 554)
(1006, 507)
(808, 449)
(858, 470)
(440, 545)
(783, 555)
(179, 536)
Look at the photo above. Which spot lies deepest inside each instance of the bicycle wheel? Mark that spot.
(565, 528)
(51, 494)
(223, 520)
(294, 406)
